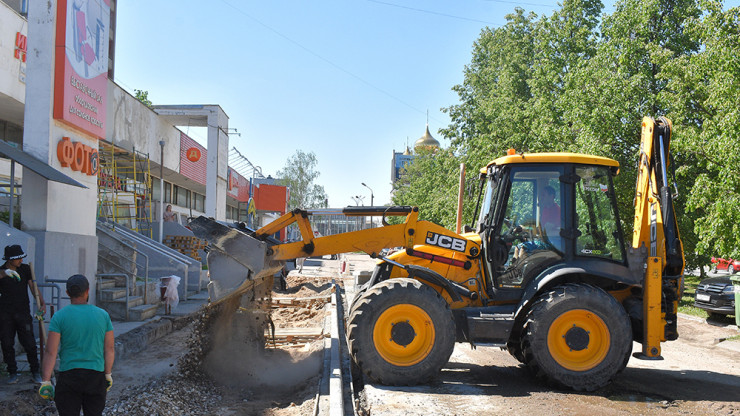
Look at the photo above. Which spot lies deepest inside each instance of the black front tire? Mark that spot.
(577, 336)
(401, 332)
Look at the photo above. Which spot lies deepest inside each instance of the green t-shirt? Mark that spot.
(82, 331)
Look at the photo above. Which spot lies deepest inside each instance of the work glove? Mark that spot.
(108, 381)
(46, 391)
(14, 274)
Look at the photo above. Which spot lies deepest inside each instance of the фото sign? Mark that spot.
(77, 156)
(81, 64)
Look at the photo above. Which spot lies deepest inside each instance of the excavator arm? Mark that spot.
(239, 258)
(656, 230)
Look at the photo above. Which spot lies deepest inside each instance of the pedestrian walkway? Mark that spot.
(130, 337)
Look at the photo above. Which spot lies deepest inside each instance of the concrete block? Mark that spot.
(362, 277)
(142, 312)
(112, 294)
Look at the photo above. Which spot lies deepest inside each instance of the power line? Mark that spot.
(431, 12)
(326, 60)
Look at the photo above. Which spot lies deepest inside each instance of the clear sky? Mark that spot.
(350, 80)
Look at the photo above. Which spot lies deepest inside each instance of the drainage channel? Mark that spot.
(335, 396)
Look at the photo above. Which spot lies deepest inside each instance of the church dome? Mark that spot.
(426, 140)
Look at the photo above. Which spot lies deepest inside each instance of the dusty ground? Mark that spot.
(238, 377)
(697, 377)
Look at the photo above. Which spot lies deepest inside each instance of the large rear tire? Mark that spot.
(577, 336)
(401, 332)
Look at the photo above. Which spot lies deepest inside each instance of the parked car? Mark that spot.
(716, 295)
(728, 265)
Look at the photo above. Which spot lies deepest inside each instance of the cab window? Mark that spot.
(595, 215)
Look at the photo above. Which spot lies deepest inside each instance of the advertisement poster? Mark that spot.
(81, 64)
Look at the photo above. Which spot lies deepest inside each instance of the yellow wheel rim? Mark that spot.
(578, 340)
(404, 335)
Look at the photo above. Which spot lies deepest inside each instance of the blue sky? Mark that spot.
(350, 80)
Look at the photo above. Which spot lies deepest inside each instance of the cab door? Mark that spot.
(525, 232)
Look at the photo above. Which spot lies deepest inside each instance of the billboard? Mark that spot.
(81, 64)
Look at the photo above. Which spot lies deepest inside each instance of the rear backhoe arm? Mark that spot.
(656, 229)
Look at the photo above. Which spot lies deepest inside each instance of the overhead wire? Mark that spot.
(326, 60)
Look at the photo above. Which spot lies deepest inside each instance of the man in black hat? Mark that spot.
(15, 312)
(82, 336)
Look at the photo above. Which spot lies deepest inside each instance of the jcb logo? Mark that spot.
(444, 241)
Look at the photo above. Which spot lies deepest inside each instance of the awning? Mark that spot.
(36, 165)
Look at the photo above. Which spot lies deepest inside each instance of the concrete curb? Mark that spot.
(138, 339)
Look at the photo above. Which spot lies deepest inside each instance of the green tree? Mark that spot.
(299, 175)
(430, 182)
(143, 96)
(704, 88)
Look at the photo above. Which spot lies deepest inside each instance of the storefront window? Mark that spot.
(167, 192)
(200, 202)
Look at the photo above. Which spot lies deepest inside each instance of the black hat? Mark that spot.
(14, 252)
(77, 285)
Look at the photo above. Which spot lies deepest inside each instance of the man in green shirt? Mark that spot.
(82, 334)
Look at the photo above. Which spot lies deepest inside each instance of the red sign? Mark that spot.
(77, 156)
(193, 154)
(188, 168)
(21, 44)
(81, 64)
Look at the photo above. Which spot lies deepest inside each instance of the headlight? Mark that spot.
(731, 289)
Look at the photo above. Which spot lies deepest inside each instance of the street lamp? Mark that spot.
(371, 194)
(372, 204)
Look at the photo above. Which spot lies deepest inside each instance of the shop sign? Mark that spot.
(77, 156)
(21, 45)
(81, 64)
(193, 154)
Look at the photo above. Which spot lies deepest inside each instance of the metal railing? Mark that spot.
(135, 263)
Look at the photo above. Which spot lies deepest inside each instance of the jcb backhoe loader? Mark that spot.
(546, 274)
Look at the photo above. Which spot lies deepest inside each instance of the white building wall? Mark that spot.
(11, 81)
(133, 125)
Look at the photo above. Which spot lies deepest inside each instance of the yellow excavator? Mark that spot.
(545, 274)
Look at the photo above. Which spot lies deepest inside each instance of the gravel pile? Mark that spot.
(168, 397)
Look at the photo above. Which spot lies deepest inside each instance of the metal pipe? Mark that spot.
(460, 194)
(12, 193)
(161, 190)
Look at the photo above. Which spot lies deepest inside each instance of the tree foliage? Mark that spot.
(581, 81)
(143, 97)
(299, 175)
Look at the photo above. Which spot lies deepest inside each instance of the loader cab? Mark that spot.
(540, 211)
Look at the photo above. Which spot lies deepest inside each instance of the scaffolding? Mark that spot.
(125, 188)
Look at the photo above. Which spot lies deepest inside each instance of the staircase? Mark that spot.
(112, 297)
(129, 268)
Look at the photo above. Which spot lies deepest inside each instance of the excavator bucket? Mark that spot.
(236, 261)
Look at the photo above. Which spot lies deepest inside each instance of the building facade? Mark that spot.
(61, 106)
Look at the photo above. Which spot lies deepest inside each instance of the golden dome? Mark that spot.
(426, 140)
